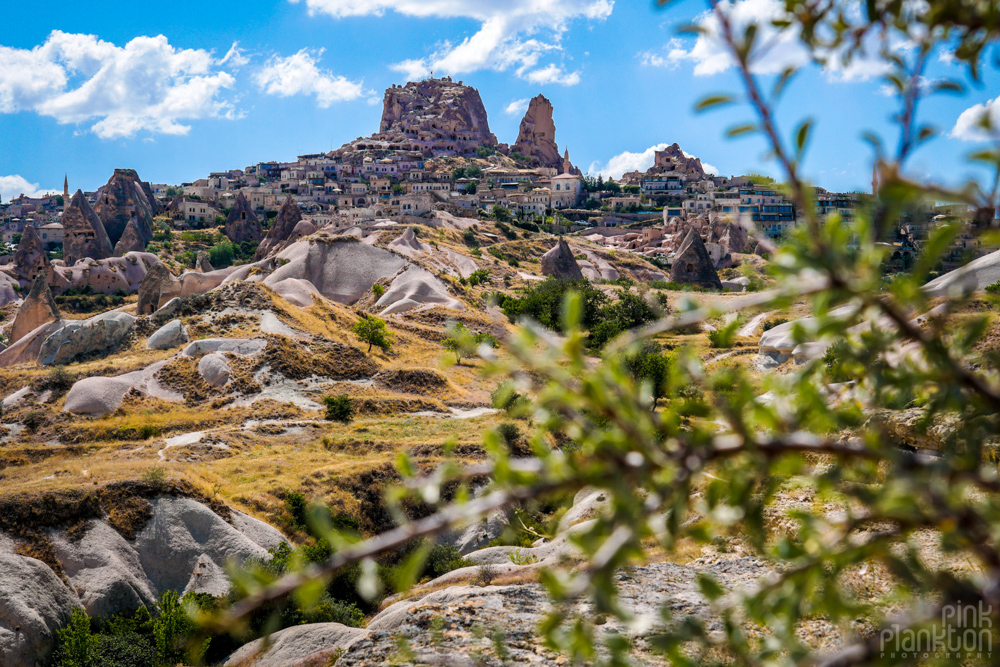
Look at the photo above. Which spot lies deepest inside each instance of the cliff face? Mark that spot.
(433, 117)
(536, 137)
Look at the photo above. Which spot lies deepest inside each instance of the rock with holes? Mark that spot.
(38, 308)
(559, 262)
(169, 335)
(79, 339)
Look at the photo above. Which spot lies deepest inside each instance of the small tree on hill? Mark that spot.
(372, 330)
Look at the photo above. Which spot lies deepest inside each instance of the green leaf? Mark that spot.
(802, 136)
(740, 130)
(713, 101)
(709, 587)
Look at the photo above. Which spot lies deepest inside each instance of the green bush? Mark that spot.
(222, 254)
(125, 650)
(378, 290)
(774, 322)
(443, 558)
(509, 433)
(993, 288)
(77, 645)
(339, 408)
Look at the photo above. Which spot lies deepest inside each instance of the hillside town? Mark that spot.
(434, 152)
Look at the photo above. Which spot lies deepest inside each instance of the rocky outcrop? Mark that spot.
(83, 232)
(343, 271)
(160, 286)
(80, 339)
(416, 288)
(214, 369)
(297, 645)
(34, 605)
(122, 199)
(30, 258)
(432, 116)
(692, 264)
(103, 395)
(281, 230)
(536, 137)
(183, 546)
(201, 263)
(131, 240)
(242, 226)
(106, 276)
(559, 262)
(38, 308)
(671, 160)
(169, 335)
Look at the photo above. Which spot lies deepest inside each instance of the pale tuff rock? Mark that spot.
(106, 276)
(214, 369)
(169, 335)
(202, 264)
(79, 339)
(284, 224)
(342, 271)
(122, 199)
(242, 224)
(296, 645)
(536, 137)
(692, 264)
(559, 262)
(37, 309)
(83, 232)
(30, 259)
(131, 240)
(103, 395)
(416, 288)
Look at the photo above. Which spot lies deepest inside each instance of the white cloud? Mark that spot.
(299, 74)
(553, 74)
(517, 107)
(626, 162)
(507, 37)
(775, 49)
(145, 86)
(969, 126)
(15, 186)
(235, 57)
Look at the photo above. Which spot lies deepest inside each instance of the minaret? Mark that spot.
(65, 192)
(567, 166)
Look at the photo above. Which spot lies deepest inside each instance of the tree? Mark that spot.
(372, 330)
(721, 457)
(500, 213)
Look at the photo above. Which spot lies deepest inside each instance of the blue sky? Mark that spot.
(86, 87)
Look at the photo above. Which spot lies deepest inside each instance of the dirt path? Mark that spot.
(750, 327)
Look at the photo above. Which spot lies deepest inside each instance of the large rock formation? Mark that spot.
(242, 225)
(278, 235)
(434, 117)
(537, 135)
(30, 259)
(37, 309)
(121, 199)
(559, 262)
(131, 239)
(83, 338)
(671, 160)
(692, 263)
(83, 232)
